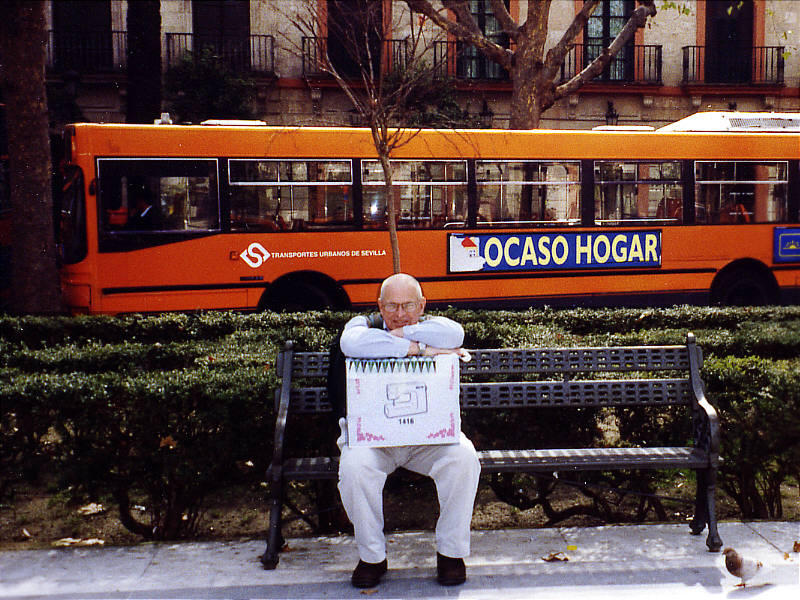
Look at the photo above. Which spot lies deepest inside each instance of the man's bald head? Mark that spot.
(400, 281)
(401, 301)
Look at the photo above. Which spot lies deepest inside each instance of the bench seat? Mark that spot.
(564, 459)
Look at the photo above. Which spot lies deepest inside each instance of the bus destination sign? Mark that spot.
(556, 250)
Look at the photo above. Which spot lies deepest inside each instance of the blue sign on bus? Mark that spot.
(553, 250)
(787, 244)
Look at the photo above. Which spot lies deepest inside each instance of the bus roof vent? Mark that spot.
(737, 121)
(770, 123)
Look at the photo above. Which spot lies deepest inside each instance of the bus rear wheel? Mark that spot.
(300, 294)
(744, 287)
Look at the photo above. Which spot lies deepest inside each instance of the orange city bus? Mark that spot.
(245, 216)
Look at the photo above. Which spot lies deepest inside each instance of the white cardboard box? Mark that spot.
(403, 401)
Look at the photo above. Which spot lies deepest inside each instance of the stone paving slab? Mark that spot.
(613, 562)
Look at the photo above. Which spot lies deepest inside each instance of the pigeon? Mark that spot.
(743, 568)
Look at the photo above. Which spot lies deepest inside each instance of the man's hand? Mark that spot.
(414, 350)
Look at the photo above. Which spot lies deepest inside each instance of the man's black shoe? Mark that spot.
(450, 571)
(368, 575)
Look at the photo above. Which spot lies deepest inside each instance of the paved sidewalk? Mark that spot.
(614, 562)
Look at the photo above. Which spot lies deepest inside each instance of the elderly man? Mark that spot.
(362, 471)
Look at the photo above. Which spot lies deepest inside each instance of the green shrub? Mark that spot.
(759, 405)
(161, 410)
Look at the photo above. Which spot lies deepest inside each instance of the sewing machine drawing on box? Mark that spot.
(404, 399)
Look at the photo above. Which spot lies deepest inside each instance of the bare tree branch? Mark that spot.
(556, 55)
(503, 17)
(465, 28)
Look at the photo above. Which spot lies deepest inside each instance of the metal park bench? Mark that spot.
(553, 378)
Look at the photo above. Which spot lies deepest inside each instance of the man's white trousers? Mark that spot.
(454, 468)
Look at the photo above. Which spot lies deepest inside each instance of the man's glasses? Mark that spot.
(394, 306)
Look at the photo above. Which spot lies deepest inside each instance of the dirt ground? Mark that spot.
(38, 518)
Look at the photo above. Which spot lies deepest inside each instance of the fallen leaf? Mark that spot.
(67, 542)
(369, 592)
(91, 509)
(796, 547)
(555, 557)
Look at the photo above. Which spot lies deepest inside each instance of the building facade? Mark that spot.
(699, 55)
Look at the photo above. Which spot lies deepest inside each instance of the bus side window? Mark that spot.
(519, 193)
(158, 195)
(428, 194)
(742, 191)
(641, 192)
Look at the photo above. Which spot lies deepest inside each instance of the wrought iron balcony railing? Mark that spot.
(101, 51)
(461, 61)
(245, 54)
(635, 63)
(759, 65)
(315, 55)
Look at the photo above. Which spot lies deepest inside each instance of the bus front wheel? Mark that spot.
(743, 286)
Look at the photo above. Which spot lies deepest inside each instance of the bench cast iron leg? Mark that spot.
(713, 541)
(705, 508)
(700, 504)
(274, 538)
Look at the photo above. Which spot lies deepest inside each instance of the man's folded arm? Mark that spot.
(439, 332)
(359, 340)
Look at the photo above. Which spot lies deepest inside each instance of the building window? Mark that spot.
(82, 38)
(223, 28)
(729, 41)
(472, 64)
(355, 34)
(602, 27)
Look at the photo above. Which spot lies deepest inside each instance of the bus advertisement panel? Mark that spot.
(557, 250)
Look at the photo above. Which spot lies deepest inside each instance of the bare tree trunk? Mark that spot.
(34, 274)
(391, 211)
(528, 93)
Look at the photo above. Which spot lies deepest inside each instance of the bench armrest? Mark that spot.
(707, 430)
(284, 365)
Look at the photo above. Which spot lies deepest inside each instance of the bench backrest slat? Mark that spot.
(577, 360)
(575, 394)
(539, 360)
(310, 369)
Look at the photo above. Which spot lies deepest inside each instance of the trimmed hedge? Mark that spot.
(162, 410)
